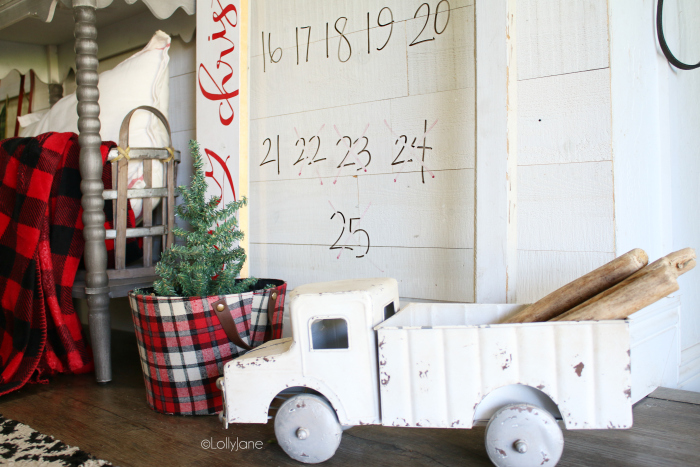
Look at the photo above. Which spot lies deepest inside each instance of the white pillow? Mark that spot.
(28, 123)
(142, 79)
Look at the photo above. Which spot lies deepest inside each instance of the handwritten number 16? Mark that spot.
(270, 52)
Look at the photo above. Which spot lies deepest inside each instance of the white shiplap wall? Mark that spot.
(182, 104)
(565, 171)
(420, 233)
(684, 121)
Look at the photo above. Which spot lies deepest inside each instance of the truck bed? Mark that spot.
(439, 361)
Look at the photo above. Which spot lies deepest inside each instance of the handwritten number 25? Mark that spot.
(335, 245)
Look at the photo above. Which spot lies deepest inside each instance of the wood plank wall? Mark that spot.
(565, 170)
(420, 229)
(182, 105)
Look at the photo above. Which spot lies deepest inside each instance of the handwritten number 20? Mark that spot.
(427, 18)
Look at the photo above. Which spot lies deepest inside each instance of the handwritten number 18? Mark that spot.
(341, 37)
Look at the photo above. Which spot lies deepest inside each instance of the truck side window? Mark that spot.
(329, 334)
(389, 311)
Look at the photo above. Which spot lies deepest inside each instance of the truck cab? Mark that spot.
(332, 351)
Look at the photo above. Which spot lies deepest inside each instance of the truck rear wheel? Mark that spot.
(520, 435)
(307, 428)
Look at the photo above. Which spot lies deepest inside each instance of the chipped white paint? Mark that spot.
(292, 362)
(655, 334)
(440, 360)
(438, 365)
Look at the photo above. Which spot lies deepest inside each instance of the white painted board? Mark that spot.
(362, 143)
(217, 88)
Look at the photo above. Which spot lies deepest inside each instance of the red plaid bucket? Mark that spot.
(183, 345)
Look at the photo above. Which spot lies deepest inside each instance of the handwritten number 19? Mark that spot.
(390, 23)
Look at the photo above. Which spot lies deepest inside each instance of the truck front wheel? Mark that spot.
(307, 428)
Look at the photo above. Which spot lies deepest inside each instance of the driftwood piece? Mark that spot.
(585, 287)
(643, 288)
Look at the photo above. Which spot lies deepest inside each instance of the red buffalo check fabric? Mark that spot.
(183, 347)
(41, 245)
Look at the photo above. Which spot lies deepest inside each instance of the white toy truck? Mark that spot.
(359, 361)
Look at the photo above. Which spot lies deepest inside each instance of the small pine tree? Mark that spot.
(209, 261)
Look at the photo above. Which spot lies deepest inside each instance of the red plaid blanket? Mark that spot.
(41, 245)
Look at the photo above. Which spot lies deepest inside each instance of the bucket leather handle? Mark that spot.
(272, 302)
(224, 314)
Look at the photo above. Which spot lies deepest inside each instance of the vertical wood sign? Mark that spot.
(217, 89)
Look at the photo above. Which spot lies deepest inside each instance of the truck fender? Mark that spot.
(513, 394)
(318, 388)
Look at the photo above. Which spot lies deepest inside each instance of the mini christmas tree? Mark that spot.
(210, 260)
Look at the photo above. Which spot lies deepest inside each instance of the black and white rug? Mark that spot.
(22, 446)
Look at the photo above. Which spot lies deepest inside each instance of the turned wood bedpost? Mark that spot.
(96, 281)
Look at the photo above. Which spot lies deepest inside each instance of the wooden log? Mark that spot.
(641, 292)
(680, 262)
(587, 286)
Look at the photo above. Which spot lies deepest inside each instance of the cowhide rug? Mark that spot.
(22, 446)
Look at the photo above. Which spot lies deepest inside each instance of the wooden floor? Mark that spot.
(114, 423)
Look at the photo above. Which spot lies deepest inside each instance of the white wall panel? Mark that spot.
(440, 64)
(419, 271)
(561, 36)
(299, 211)
(285, 87)
(182, 57)
(447, 117)
(566, 207)
(414, 214)
(542, 272)
(279, 159)
(565, 118)
(182, 102)
(408, 113)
